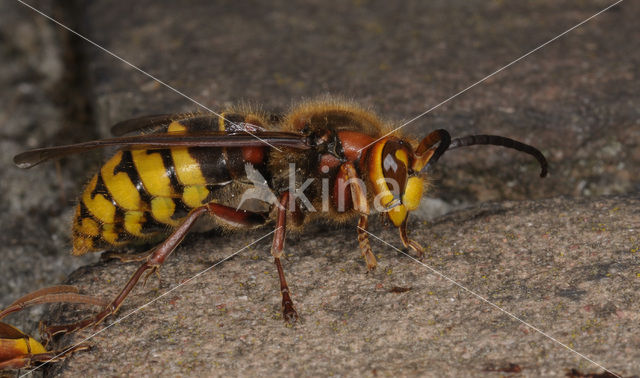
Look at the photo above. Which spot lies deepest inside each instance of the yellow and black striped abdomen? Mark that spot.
(139, 194)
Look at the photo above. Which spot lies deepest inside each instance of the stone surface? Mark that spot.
(577, 99)
(569, 267)
(39, 106)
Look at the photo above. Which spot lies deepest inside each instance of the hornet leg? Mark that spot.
(126, 257)
(159, 254)
(408, 243)
(359, 200)
(289, 313)
(363, 241)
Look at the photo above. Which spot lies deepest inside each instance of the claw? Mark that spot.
(43, 330)
(153, 270)
(371, 261)
(409, 243)
(417, 248)
(289, 314)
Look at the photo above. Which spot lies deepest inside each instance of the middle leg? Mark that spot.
(288, 311)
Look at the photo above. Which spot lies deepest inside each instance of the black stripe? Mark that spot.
(212, 162)
(118, 226)
(235, 163)
(84, 212)
(170, 169)
(201, 123)
(101, 188)
(118, 216)
(150, 225)
(212, 192)
(97, 242)
(127, 166)
(181, 209)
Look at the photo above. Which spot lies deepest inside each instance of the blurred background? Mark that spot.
(576, 99)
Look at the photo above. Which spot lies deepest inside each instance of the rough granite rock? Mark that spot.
(39, 105)
(577, 99)
(569, 267)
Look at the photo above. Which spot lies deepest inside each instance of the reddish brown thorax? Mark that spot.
(353, 142)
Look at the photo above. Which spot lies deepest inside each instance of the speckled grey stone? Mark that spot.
(570, 267)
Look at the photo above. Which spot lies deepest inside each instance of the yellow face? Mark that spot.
(398, 187)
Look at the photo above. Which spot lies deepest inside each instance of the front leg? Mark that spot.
(409, 243)
(365, 247)
(349, 175)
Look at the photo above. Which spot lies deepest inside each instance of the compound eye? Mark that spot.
(395, 161)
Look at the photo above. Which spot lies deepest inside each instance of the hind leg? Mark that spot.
(159, 254)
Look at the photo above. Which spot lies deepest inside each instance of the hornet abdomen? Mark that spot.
(140, 194)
